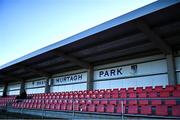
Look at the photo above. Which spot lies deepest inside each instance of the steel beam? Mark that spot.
(171, 69)
(39, 72)
(12, 77)
(90, 77)
(153, 37)
(73, 59)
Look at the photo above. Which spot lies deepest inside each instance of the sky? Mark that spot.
(28, 25)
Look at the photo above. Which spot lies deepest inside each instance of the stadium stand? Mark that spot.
(126, 67)
(139, 101)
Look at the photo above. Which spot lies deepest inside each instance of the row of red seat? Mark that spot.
(8, 99)
(136, 101)
(104, 101)
(2, 104)
(168, 88)
(161, 110)
(153, 94)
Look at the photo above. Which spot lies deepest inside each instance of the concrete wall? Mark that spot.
(13, 89)
(69, 81)
(1, 90)
(149, 71)
(35, 86)
(177, 61)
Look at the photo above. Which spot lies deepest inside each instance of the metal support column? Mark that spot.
(48, 85)
(5, 89)
(22, 87)
(90, 77)
(171, 69)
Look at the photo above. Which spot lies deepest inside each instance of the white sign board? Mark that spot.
(33, 84)
(154, 67)
(75, 78)
(113, 73)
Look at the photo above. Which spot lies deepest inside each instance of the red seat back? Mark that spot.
(133, 109)
(146, 110)
(161, 110)
(100, 108)
(176, 110)
(91, 108)
(110, 108)
(158, 88)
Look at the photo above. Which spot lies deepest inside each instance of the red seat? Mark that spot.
(132, 102)
(176, 110)
(115, 91)
(142, 95)
(131, 89)
(47, 106)
(176, 93)
(76, 107)
(65, 101)
(81, 96)
(27, 105)
(124, 102)
(158, 88)
(96, 91)
(69, 106)
(149, 89)
(119, 109)
(90, 92)
(55, 101)
(83, 107)
(63, 106)
(156, 102)
(112, 102)
(110, 108)
(52, 107)
(70, 101)
(161, 110)
(153, 95)
(178, 87)
(122, 90)
(139, 89)
(102, 91)
(133, 109)
(100, 96)
(59, 101)
(123, 95)
(164, 94)
(34, 105)
(93, 96)
(146, 110)
(170, 102)
(91, 108)
(169, 88)
(96, 102)
(82, 101)
(89, 102)
(87, 96)
(108, 91)
(57, 107)
(143, 102)
(107, 95)
(132, 95)
(100, 108)
(71, 97)
(115, 95)
(39, 106)
(104, 102)
(31, 105)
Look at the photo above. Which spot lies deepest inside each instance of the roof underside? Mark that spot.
(154, 33)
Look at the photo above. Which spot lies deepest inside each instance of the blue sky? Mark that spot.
(27, 25)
